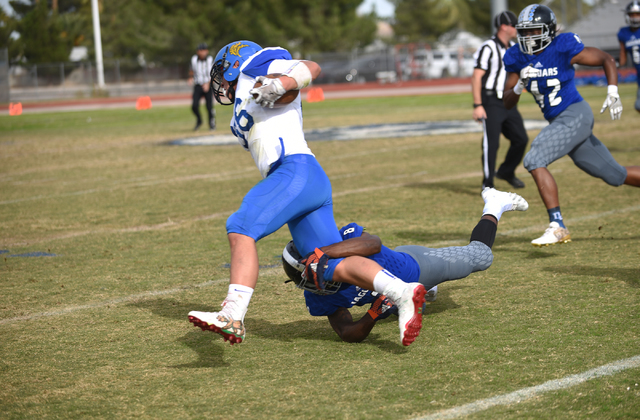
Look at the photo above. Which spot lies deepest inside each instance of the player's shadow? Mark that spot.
(210, 347)
(453, 186)
(628, 275)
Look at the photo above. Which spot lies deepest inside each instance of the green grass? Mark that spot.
(100, 330)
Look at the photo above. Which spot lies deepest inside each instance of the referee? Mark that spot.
(199, 73)
(487, 84)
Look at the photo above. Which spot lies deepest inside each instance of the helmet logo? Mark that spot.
(235, 48)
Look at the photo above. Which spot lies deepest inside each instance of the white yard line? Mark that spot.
(526, 394)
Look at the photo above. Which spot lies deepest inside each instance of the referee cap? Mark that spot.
(203, 46)
(505, 18)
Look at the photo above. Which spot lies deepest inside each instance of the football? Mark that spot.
(285, 99)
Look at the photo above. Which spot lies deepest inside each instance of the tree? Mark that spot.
(42, 35)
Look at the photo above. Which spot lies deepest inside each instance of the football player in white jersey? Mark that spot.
(294, 190)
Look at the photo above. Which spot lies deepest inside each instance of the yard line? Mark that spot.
(125, 299)
(525, 394)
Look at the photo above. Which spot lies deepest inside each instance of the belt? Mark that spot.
(496, 93)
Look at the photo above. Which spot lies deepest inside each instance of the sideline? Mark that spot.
(526, 394)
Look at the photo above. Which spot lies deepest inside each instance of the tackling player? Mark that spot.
(347, 287)
(629, 37)
(543, 64)
(294, 190)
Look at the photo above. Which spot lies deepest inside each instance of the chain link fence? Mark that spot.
(78, 80)
(75, 80)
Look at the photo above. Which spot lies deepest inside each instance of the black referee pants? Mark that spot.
(198, 93)
(509, 123)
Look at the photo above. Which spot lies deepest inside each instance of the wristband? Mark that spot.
(300, 73)
(518, 88)
(476, 105)
(612, 90)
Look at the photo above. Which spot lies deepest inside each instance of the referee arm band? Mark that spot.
(476, 105)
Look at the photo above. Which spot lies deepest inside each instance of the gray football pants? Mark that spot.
(438, 265)
(570, 133)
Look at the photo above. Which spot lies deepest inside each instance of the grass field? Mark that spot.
(137, 228)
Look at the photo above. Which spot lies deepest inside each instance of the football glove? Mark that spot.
(525, 74)
(315, 264)
(613, 103)
(270, 91)
(382, 308)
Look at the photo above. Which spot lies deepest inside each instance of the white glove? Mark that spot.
(270, 91)
(525, 74)
(613, 103)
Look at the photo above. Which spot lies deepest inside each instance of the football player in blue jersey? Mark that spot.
(294, 190)
(348, 286)
(629, 37)
(542, 62)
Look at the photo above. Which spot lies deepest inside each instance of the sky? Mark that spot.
(383, 7)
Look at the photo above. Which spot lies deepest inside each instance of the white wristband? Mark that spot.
(612, 89)
(300, 73)
(518, 88)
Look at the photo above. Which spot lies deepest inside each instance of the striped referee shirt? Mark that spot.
(201, 69)
(489, 58)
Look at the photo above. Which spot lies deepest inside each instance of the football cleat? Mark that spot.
(219, 322)
(410, 312)
(504, 201)
(554, 234)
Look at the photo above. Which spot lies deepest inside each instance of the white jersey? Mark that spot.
(266, 131)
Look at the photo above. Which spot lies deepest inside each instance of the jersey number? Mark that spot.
(635, 54)
(244, 121)
(554, 99)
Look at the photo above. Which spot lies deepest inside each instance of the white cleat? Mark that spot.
(554, 234)
(508, 201)
(410, 312)
(221, 323)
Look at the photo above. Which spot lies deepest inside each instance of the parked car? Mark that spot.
(366, 68)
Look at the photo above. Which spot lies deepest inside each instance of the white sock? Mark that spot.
(240, 296)
(389, 285)
(494, 209)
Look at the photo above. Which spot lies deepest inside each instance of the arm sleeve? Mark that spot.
(258, 65)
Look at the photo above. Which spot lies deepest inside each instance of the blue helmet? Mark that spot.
(227, 65)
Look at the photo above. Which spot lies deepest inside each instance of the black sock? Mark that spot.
(485, 232)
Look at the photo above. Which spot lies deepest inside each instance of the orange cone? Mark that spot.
(15, 109)
(143, 102)
(315, 95)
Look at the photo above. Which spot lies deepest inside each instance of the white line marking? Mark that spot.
(531, 392)
(125, 299)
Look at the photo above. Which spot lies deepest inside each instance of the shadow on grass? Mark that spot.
(453, 186)
(210, 347)
(628, 275)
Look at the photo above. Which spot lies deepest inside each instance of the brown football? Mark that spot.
(285, 99)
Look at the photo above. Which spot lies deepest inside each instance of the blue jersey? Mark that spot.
(554, 88)
(398, 263)
(631, 41)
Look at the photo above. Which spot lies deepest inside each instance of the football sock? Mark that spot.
(485, 232)
(240, 296)
(556, 216)
(389, 285)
